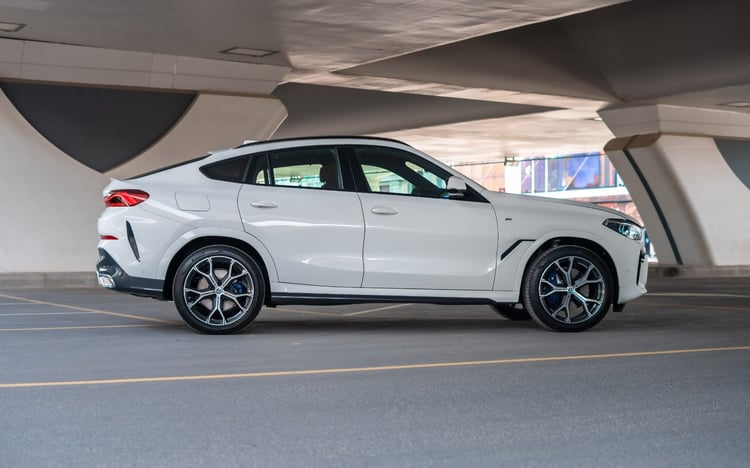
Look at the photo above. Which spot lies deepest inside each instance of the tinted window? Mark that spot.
(389, 170)
(232, 170)
(315, 167)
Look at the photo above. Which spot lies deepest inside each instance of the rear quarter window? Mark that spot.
(232, 170)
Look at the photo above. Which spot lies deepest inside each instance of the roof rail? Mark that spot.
(331, 137)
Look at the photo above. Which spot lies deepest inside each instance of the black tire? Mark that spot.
(218, 289)
(568, 289)
(511, 311)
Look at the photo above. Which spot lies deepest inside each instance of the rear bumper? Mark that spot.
(111, 276)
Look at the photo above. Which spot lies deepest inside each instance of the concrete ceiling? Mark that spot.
(321, 110)
(569, 57)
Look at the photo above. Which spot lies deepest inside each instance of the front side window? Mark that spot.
(389, 170)
(315, 167)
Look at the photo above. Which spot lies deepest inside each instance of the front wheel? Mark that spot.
(568, 288)
(218, 289)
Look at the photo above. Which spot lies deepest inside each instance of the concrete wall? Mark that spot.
(49, 202)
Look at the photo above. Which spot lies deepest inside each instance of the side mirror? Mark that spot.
(456, 187)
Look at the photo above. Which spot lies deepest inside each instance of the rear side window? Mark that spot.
(313, 167)
(232, 170)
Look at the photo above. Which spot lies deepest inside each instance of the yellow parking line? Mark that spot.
(368, 369)
(352, 314)
(76, 327)
(328, 314)
(45, 313)
(85, 309)
(306, 312)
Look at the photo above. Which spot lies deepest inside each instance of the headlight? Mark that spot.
(627, 228)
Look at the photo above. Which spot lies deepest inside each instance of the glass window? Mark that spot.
(389, 170)
(232, 170)
(383, 180)
(299, 167)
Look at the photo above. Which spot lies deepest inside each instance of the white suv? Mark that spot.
(341, 220)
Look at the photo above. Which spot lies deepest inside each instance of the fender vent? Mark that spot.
(131, 240)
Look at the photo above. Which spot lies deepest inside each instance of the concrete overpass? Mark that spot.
(92, 90)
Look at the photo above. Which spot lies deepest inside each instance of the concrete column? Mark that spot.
(49, 202)
(688, 171)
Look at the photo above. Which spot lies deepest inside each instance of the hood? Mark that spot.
(500, 199)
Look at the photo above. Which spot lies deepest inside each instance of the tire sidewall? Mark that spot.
(533, 276)
(247, 262)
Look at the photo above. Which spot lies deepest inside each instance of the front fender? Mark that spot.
(510, 270)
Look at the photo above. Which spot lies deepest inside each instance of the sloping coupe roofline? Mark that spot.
(333, 137)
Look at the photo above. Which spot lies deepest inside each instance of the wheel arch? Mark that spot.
(577, 242)
(206, 241)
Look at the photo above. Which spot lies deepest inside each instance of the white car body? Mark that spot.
(353, 245)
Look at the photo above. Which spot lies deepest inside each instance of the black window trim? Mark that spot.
(352, 175)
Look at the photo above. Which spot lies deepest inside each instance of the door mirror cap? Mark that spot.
(456, 187)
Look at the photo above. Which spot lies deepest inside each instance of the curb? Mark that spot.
(694, 271)
(48, 280)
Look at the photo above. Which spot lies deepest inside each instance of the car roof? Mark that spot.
(311, 138)
(281, 143)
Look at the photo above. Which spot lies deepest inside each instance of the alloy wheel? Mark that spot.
(572, 290)
(218, 291)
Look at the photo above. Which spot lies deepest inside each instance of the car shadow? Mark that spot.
(428, 324)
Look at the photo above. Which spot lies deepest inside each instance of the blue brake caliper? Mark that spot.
(237, 288)
(554, 299)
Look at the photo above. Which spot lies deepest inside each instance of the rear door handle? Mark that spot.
(383, 210)
(264, 204)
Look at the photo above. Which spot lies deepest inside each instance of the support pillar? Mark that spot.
(688, 171)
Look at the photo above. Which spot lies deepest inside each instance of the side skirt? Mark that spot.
(342, 299)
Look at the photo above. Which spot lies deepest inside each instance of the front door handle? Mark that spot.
(383, 210)
(264, 204)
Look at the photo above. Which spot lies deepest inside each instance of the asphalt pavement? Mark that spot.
(90, 377)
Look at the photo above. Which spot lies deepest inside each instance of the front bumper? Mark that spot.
(111, 276)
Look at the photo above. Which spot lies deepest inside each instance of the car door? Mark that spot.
(301, 206)
(415, 238)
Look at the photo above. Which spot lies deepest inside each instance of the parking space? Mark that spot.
(98, 378)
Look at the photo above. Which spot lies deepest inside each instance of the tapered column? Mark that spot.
(688, 171)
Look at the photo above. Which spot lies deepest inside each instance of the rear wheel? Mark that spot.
(511, 311)
(218, 289)
(568, 288)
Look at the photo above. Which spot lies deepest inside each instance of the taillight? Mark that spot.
(125, 197)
